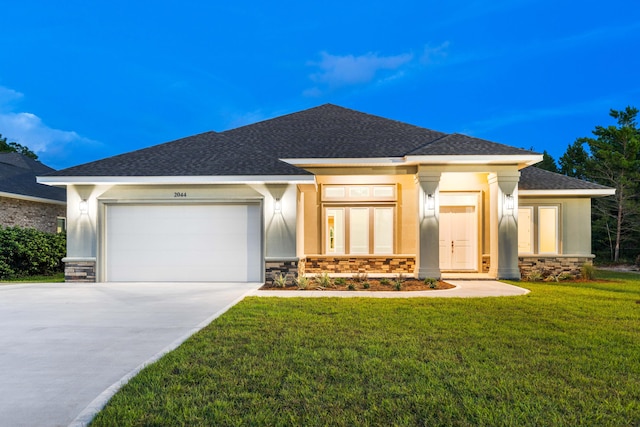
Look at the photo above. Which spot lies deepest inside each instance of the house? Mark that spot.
(26, 203)
(326, 189)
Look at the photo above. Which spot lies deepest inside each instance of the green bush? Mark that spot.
(323, 280)
(280, 280)
(29, 252)
(303, 282)
(588, 271)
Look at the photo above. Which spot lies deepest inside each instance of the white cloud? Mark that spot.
(338, 71)
(7, 96)
(28, 129)
(433, 54)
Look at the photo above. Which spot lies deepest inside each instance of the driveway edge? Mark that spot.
(86, 416)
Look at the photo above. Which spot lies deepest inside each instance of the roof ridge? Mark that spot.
(444, 136)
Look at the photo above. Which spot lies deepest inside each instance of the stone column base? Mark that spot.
(287, 267)
(79, 270)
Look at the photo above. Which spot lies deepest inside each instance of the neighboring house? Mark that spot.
(26, 203)
(327, 189)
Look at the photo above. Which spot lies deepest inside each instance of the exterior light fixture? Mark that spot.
(509, 202)
(277, 206)
(430, 202)
(83, 207)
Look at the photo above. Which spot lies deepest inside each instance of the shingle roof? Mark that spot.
(458, 144)
(330, 131)
(533, 178)
(205, 154)
(18, 176)
(323, 132)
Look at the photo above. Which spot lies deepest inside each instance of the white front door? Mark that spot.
(458, 238)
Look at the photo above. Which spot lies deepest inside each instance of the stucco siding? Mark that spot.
(575, 222)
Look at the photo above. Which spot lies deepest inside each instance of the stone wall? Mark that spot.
(352, 265)
(80, 271)
(288, 268)
(554, 264)
(28, 214)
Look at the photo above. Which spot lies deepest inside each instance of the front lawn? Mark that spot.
(565, 354)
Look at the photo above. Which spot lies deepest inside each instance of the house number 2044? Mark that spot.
(179, 194)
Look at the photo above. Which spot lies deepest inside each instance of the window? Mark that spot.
(61, 224)
(525, 230)
(544, 219)
(359, 230)
(359, 219)
(548, 229)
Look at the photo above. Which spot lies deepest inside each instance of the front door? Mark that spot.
(458, 238)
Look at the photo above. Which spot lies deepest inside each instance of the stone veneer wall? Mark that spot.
(288, 268)
(368, 264)
(80, 271)
(552, 264)
(29, 214)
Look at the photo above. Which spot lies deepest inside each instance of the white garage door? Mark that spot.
(183, 243)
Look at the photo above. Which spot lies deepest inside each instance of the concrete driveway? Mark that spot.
(63, 346)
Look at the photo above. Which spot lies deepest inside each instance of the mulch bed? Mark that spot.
(374, 285)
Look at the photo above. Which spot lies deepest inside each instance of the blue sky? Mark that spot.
(80, 81)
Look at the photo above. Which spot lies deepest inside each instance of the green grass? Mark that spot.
(566, 354)
(55, 278)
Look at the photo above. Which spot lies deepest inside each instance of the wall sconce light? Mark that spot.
(83, 207)
(430, 202)
(277, 206)
(509, 202)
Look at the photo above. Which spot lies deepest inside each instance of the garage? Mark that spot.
(183, 243)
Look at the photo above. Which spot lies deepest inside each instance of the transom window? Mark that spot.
(356, 219)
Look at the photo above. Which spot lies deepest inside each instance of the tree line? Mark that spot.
(14, 147)
(610, 157)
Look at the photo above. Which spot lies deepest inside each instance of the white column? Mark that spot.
(503, 225)
(429, 225)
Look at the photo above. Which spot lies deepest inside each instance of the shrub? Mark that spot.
(29, 252)
(430, 281)
(340, 281)
(534, 276)
(360, 277)
(280, 280)
(397, 283)
(302, 282)
(366, 285)
(385, 282)
(351, 287)
(323, 280)
(588, 271)
(564, 276)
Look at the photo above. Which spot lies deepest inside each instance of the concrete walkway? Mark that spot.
(65, 349)
(463, 289)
